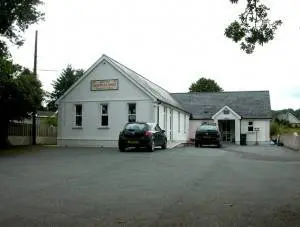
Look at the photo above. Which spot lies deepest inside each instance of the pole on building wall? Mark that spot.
(35, 74)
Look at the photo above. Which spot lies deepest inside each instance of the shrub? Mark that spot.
(275, 129)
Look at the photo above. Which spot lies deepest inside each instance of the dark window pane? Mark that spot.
(131, 118)
(131, 108)
(250, 123)
(78, 109)
(104, 121)
(207, 128)
(104, 109)
(137, 126)
(78, 120)
(250, 128)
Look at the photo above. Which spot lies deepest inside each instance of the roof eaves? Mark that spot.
(174, 106)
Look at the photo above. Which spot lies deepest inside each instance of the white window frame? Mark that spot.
(179, 121)
(78, 115)
(130, 114)
(252, 125)
(101, 115)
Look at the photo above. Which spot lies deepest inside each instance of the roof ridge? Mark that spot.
(137, 73)
(220, 92)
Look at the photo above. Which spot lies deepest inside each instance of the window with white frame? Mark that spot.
(184, 123)
(178, 121)
(250, 126)
(131, 112)
(103, 115)
(78, 115)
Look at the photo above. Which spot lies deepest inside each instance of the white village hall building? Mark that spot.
(95, 109)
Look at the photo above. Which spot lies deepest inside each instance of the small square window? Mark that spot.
(250, 126)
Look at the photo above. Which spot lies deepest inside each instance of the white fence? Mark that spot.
(291, 141)
(21, 134)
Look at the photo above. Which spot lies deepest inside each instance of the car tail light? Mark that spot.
(148, 133)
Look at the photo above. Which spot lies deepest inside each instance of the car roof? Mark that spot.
(141, 122)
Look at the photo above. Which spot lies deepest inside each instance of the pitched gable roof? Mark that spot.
(149, 87)
(154, 89)
(248, 104)
(292, 119)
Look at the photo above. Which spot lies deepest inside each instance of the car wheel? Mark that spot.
(121, 148)
(151, 146)
(164, 146)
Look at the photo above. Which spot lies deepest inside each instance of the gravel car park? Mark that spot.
(231, 186)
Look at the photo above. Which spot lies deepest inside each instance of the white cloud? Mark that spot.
(172, 43)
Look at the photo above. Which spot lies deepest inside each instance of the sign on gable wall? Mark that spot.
(103, 85)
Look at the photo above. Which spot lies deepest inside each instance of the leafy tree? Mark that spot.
(15, 18)
(51, 121)
(20, 94)
(205, 85)
(66, 79)
(253, 26)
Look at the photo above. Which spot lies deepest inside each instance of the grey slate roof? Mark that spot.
(156, 91)
(248, 104)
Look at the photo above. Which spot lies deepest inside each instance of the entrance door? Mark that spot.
(227, 129)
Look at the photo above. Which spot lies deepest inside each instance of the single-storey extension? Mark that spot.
(236, 113)
(94, 110)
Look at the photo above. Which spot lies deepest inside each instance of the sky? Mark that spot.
(172, 43)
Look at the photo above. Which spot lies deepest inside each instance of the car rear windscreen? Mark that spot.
(137, 126)
(207, 128)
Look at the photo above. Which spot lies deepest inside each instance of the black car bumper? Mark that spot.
(124, 143)
(207, 141)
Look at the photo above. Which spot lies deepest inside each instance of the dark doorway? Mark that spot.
(227, 129)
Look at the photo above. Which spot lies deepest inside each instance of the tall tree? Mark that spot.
(15, 17)
(205, 85)
(20, 94)
(253, 26)
(66, 79)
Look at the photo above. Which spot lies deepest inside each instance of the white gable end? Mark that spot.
(226, 113)
(104, 71)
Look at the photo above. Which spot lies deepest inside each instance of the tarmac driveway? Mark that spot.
(231, 186)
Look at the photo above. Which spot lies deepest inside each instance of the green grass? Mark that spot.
(288, 130)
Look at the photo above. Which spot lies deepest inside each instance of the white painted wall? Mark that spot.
(263, 135)
(177, 135)
(91, 134)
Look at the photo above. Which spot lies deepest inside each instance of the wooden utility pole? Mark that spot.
(35, 74)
